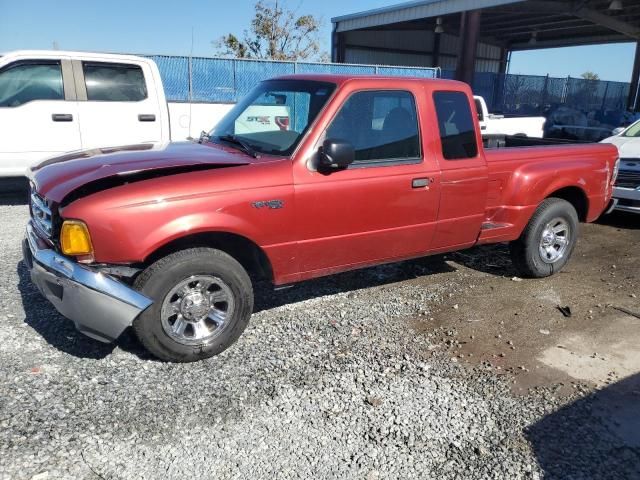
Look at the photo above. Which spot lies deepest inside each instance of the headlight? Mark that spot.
(75, 239)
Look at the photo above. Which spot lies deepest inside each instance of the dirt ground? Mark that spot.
(508, 324)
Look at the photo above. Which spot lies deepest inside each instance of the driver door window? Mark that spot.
(36, 120)
(24, 83)
(381, 125)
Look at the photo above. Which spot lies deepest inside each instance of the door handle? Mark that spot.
(62, 117)
(146, 117)
(420, 182)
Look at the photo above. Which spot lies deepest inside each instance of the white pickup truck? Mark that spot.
(54, 101)
(492, 124)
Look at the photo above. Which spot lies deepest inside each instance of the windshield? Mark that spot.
(633, 130)
(274, 116)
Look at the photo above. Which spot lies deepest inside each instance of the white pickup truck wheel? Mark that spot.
(548, 240)
(203, 300)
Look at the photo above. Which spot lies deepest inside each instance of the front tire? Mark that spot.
(203, 300)
(548, 240)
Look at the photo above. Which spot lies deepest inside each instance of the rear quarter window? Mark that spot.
(456, 125)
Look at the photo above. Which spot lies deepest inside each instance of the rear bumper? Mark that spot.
(99, 306)
(627, 199)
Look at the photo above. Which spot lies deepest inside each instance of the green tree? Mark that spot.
(276, 33)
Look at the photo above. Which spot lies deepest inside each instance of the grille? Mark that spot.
(41, 214)
(628, 179)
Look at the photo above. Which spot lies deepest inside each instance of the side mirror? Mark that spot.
(336, 154)
(617, 131)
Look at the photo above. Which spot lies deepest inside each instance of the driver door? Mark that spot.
(38, 113)
(382, 207)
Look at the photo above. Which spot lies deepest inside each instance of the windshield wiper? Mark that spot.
(244, 146)
(204, 137)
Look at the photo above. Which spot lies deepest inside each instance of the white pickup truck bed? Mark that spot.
(492, 124)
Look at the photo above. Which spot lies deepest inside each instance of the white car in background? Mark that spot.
(626, 193)
(52, 102)
(493, 124)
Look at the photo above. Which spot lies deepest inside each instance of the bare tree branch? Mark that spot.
(275, 33)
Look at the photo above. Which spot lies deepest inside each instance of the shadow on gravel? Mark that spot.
(596, 437)
(493, 259)
(60, 332)
(377, 276)
(13, 191)
(626, 220)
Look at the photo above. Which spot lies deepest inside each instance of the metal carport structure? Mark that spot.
(479, 35)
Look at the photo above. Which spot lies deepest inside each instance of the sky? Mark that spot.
(165, 27)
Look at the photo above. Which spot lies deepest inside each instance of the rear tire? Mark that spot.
(203, 300)
(548, 240)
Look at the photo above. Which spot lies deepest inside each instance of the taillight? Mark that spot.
(616, 169)
(282, 123)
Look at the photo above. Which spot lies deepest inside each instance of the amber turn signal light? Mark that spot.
(75, 239)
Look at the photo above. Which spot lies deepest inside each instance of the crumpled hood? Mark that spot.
(57, 177)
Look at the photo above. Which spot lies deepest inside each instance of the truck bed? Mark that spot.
(494, 141)
(518, 174)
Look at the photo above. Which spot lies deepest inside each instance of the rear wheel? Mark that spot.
(203, 300)
(547, 242)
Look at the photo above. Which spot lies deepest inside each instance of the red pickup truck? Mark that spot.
(169, 238)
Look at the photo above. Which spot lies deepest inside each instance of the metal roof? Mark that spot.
(512, 24)
(406, 12)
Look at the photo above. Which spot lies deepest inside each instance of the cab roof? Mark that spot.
(341, 79)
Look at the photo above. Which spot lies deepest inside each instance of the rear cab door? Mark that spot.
(120, 101)
(38, 110)
(464, 173)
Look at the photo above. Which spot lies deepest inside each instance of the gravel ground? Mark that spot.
(330, 380)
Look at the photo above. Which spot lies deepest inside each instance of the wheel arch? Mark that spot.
(576, 196)
(249, 254)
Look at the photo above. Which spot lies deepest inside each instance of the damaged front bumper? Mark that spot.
(100, 306)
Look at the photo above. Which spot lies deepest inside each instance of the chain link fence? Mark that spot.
(222, 80)
(599, 105)
(575, 108)
(537, 95)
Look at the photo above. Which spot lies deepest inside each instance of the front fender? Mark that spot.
(192, 224)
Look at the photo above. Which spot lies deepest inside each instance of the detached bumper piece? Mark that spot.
(100, 306)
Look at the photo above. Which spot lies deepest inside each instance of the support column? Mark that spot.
(469, 36)
(342, 51)
(633, 102)
(504, 60)
(334, 44)
(337, 45)
(435, 61)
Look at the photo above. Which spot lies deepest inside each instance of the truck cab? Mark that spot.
(52, 102)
